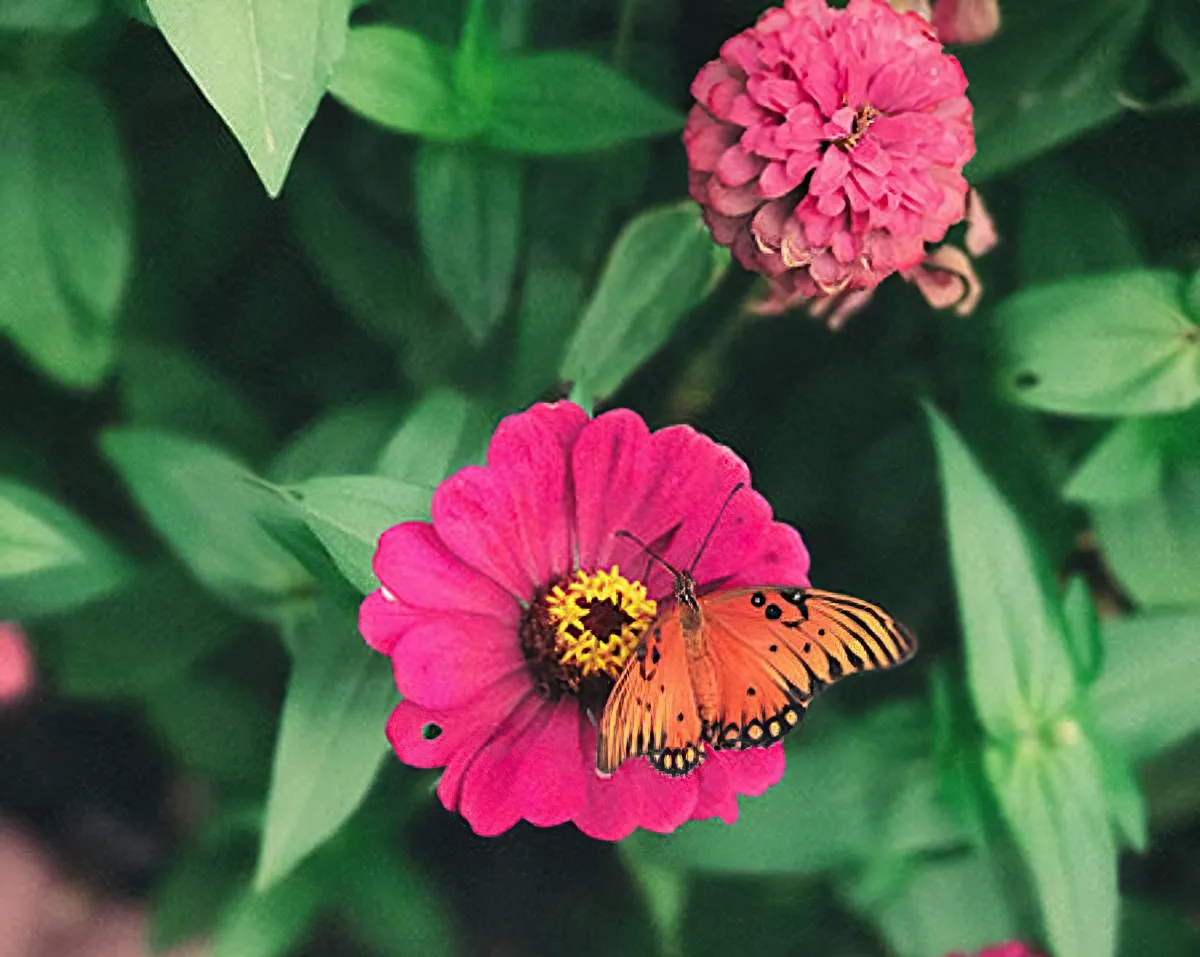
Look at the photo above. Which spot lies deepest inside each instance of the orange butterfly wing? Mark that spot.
(774, 648)
(652, 709)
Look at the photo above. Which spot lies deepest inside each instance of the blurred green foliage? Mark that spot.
(215, 402)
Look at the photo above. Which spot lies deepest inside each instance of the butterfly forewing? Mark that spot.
(652, 709)
(774, 648)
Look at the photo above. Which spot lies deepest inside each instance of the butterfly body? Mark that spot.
(736, 669)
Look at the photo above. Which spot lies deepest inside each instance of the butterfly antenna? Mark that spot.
(716, 521)
(646, 548)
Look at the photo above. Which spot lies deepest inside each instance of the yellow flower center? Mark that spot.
(579, 633)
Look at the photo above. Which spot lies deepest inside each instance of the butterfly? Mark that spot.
(737, 668)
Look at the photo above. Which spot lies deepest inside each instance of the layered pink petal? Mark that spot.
(442, 662)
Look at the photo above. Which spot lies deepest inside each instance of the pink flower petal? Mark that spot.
(17, 672)
(445, 661)
(511, 519)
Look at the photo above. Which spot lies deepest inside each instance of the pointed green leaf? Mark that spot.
(206, 505)
(271, 923)
(1082, 630)
(1145, 701)
(444, 431)
(1114, 344)
(346, 440)
(401, 80)
(562, 102)
(331, 739)
(659, 269)
(1125, 466)
(66, 223)
(1052, 798)
(469, 221)
(1017, 666)
(50, 560)
(262, 64)
(348, 514)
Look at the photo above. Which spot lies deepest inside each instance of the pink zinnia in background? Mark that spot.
(500, 685)
(827, 146)
(17, 673)
(966, 21)
(1011, 949)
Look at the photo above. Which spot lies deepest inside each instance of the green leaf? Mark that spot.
(200, 885)
(172, 390)
(841, 802)
(403, 81)
(1117, 344)
(349, 513)
(50, 560)
(659, 269)
(262, 64)
(1017, 666)
(1125, 466)
(1052, 73)
(48, 14)
(562, 102)
(1153, 544)
(346, 440)
(1082, 630)
(1145, 700)
(1051, 795)
(331, 740)
(1126, 806)
(1069, 229)
(469, 220)
(206, 506)
(444, 431)
(1178, 34)
(271, 923)
(551, 301)
(66, 223)
(118, 646)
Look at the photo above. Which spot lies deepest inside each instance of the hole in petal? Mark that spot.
(431, 732)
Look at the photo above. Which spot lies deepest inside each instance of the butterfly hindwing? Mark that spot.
(652, 709)
(774, 648)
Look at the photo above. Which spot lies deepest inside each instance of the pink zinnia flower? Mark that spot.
(1011, 949)
(17, 674)
(827, 146)
(508, 617)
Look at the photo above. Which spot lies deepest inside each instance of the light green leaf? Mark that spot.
(1125, 466)
(1051, 795)
(1069, 229)
(1017, 666)
(403, 81)
(271, 923)
(262, 64)
(1145, 700)
(331, 740)
(1126, 805)
(348, 514)
(561, 102)
(1116, 344)
(118, 646)
(1051, 74)
(444, 431)
(1153, 544)
(66, 224)
(207, 506)
(659, 269)
(50, 560)
(469, 220)
(1082, 630)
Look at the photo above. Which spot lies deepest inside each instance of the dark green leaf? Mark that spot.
(119, 646)
(50, 560)
(564, 102)
(403, 81)
(1052, 73)
(659, 269)
(207, 507)
(1051, 795)
(349, 513)
(1145, 700)
(1117, 344)
(48, 14)
(262, 65)
(66, 223)
(198, 888)
(1069, 229)
(551, 301)
(1179, 36)
(469, 219)
(444, 432)
(1017, 666)
(346, 440)
(331, 740)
